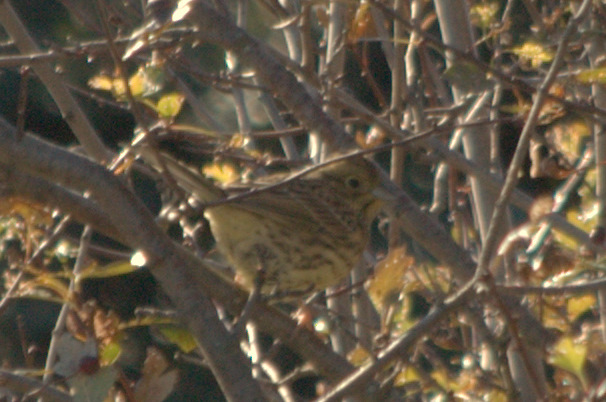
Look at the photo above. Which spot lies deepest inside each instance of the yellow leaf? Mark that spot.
(484, 14)
(442, 377)
(592, 76)
(583, 221)
(180, 337)
(147, 80)
(146, 322)
(570, 356)
(222, 172)
(33, 213)
(569, 137)
(170, 105)
(238, 141)
(118, 88)
(386, 285)
(114, 269)
(579, 305)
(136, 83)
(533, 52)
(358, 356)
(362, 25)
(101, 82)
(515, 108)
(408, 375)
(495, 396)
(50, 282)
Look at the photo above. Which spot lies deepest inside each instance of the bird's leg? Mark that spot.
(254, 297)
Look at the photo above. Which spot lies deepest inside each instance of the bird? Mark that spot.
(289, 234)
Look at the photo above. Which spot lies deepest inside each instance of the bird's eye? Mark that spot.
(353, 182)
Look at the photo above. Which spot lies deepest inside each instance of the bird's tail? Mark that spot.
(189, 179)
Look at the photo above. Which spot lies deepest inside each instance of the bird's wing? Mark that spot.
(301, 206)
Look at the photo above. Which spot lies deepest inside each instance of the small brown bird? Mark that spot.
(304, 234)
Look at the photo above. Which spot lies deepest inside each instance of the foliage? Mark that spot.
(445, 117)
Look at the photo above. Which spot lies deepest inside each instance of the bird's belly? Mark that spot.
(290, 258)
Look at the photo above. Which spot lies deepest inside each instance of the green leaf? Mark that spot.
(180, 337)
(109, 353)
(467, 77)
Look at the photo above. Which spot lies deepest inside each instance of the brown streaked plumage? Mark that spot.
(305, 234)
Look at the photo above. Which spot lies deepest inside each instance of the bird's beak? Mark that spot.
(386, 191)
(385, 196)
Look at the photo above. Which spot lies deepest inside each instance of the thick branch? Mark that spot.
(71, 111)
(172, 267)
(183, 276)
(216, 28)
(82, 209)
